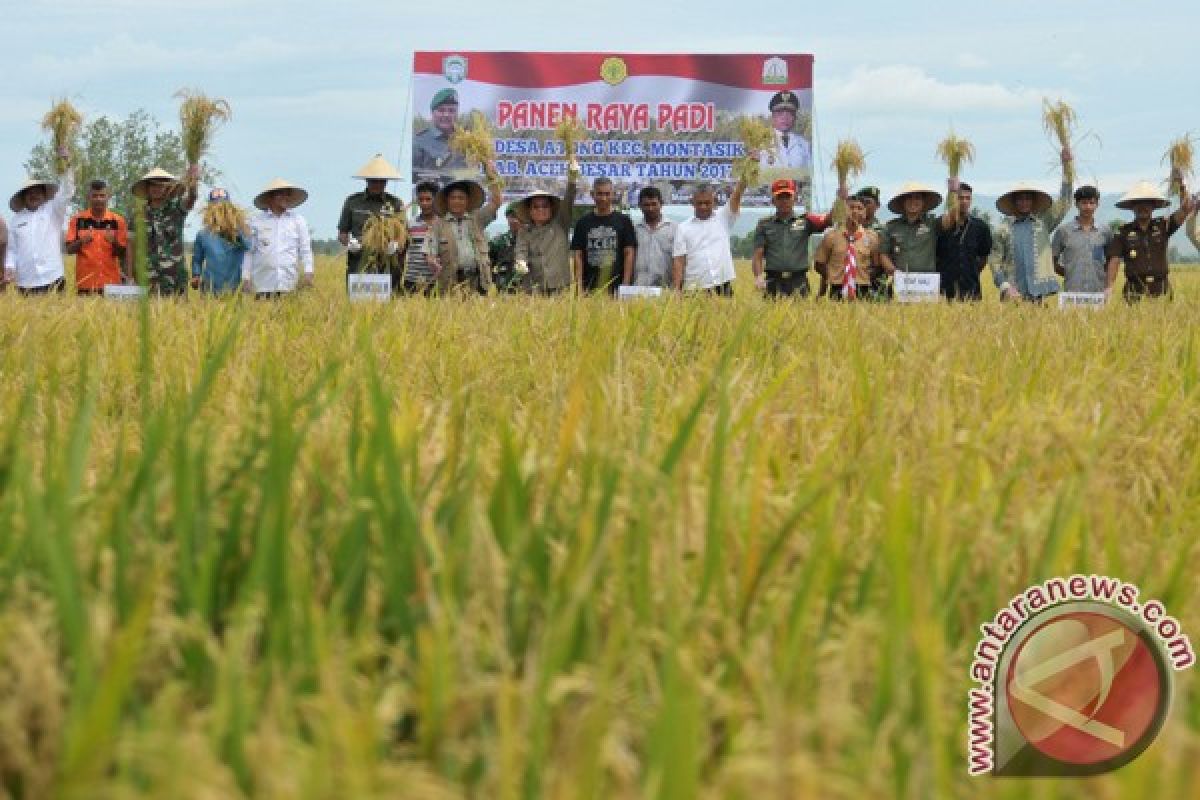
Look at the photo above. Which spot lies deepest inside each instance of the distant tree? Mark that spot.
(120, 152)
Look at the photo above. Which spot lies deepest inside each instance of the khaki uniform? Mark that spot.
(443, 245)
(831, 258)
(1144, 253)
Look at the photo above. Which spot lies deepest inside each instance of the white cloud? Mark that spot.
(904, 89)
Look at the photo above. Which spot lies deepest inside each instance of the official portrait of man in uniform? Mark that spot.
(431, 146)
(791, 150)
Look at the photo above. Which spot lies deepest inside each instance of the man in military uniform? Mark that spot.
(359, 207)
(501, 250)
(870, 200)
(1142, 244)
(780, 260)
(168, 202)
(431, 147)
(791, 150)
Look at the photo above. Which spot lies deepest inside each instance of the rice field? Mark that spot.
(530, 548)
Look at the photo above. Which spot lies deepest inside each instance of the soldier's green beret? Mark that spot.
(869, 193)
(442, 97)
(511, 209)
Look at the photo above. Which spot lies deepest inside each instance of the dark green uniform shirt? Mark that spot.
(784, 241)
(912, 246)
(1144, 252)
(357, 209)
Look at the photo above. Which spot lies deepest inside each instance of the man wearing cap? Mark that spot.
(281, 257)
(431, 147)
(168, 201)
(780, 259)
(847, 257)
(359, 207)
(870, 200)
(791, 150)
(962, 249)
(1143, 243)
(34, 256)
(702, 257)
(218, 255)
(1081, 248)
(502, 252)
(418, 270)
(543, 250)
(457, 245)
(655, 241)
(1022, 262)
(99, 240)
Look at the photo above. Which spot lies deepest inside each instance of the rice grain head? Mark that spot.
(225, 219)
(849, 162)
(570, 132)
(199, 117)
(63, 122)
(474, 143)
(1059, 120)
(756, 135)
(1180, 157)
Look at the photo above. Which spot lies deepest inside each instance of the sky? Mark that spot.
(318, 88)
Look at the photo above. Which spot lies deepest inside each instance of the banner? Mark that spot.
(669, 121)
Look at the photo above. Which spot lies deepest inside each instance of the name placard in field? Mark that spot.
(638, 292)
(1092, 300)
(119, 291)
(917, 287)
(369, 288)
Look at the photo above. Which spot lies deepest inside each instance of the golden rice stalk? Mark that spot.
(1180, 155)
(474, 143)
(63, 123)
(756, 136)
(225, 219)
(1059, 120)
(849, 162)
(381, 229)
(955, 152)
(199, 117)
(570, 132)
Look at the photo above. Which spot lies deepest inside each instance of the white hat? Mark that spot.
(1143, 191)
(17, 203)
(156, 174)
(1007, 202)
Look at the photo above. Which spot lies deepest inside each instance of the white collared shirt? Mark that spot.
(35, 239)
(794, 155)
(705, 244)
(280, 247)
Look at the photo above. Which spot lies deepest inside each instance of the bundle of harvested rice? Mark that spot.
(225, 219)
(474, 143)
(1180, 156)
(379, 231)
(1059, 120)
(570, 132)
(756, 136)
(955, 152)
(199, 117)
(848, 162)
(63, 123)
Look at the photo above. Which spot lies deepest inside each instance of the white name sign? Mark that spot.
(917, 287)
(1091, 300)
(119, 291)
(372, 288)
(633, 292)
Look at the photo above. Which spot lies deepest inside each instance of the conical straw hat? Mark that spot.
(523, 206)
(298, 195)
(930, 195)
(1143, 191)
(1007, 202)
(156, 174)
(474, 196)
(378, 169)
(17, 204)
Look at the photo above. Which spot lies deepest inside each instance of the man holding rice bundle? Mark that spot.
(457, 245)
(1023, 264)
(542, 256)
(281, 257)
(963, 247)
(1143, 243)
(220, 248)
(702, 257)
(780, 259)
(604, 243)
(33, 259)
(909, 242)
(168, 202)
(359, 207)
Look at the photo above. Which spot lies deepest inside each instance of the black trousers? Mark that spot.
(787, 284)
(58, 287)
(1140, 286)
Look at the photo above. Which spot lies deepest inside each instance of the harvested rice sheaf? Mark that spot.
(199, 117)
(63, 123)
(1059, 120)
(1180, 156)
(849, 162)
(378, 232)
(225, 219)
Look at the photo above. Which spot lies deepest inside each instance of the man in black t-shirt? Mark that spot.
(604, 243)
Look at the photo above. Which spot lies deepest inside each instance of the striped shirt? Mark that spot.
(417, 268)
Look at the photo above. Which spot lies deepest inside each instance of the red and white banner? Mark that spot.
(669, 121)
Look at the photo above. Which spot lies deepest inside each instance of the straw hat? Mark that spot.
(1007, 203)
(378, 169)
(17, 204)
(474, 195)
(298, 195)
(931, 196)
(1143, 191)
(156, 174)
(523, 212)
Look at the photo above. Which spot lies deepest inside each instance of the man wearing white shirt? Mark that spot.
(34, 260)
(791, 150)
(281, 257)
(702, 256)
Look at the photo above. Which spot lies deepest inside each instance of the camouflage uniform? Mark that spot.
(501, 251)
(167, 270)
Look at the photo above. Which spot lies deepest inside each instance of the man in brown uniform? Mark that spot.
(457, 245)
(1142, 244)
(848, 257)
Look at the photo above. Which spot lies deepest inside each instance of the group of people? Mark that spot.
(546, 250)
